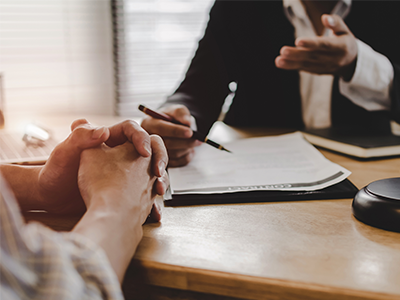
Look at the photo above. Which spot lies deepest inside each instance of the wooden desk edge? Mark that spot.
(239, 286)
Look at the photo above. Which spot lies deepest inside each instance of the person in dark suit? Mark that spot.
(297, 64)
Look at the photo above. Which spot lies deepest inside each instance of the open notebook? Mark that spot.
(261, 169)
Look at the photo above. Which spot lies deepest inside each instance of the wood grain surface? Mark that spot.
(275, 250)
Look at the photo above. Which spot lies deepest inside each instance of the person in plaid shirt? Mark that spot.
(112, 173)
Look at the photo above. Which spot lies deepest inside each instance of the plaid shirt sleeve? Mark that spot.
(39, 263)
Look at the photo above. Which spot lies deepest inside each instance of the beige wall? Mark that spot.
(56, 56)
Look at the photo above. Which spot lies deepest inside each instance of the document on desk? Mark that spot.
(279, 163)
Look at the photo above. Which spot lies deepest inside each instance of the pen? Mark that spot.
(196, 135)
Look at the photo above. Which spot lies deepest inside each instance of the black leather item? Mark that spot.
(378, 204)
(344, 189)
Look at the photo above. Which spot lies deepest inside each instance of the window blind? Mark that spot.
(56, 55)
(154, 41)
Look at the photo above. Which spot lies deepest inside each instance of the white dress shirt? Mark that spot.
(369, 87)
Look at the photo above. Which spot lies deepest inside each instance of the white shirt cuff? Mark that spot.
(193, 123)
(372, 80)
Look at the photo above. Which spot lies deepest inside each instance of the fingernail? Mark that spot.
(187, 119)
(161, 168)
(160, 179)
(188, 133)
(98, 132)
(331, 21)
(279, 62)
(159, 209)
(285, 52)
(146, 146)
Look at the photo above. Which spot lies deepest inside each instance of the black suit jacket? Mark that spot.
(240, 44)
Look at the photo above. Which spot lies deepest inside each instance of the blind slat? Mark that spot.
(154, 41)
(56, 55)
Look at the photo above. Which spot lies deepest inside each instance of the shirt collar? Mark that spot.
(295, 9)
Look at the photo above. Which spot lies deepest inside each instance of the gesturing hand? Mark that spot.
(336, 54)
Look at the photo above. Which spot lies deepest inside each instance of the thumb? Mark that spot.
(85, 135)
(335, 23)
(82, 135)
(79, 122)
(180, 113)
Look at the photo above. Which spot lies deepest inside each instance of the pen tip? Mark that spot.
(141, 107)
(226, 150)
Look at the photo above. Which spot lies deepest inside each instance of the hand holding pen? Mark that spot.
(173, 126)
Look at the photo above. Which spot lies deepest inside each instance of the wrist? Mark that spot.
(23, 181)
(107, 210)
(103, 199)
(348, 72)
(112, 203)
(118, 236)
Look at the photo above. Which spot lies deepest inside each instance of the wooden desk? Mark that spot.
(276, 250)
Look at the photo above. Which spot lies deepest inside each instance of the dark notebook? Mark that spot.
(344, 189)
(355, 144)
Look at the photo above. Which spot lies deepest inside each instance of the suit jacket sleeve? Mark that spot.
(205, 86)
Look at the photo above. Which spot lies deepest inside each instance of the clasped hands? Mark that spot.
(335, 54)
(122, 160)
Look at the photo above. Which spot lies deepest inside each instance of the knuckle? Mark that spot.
(147, 125)
(141, 133)
(58, 151)
(177, 131)
(129, 123)
(157, 139)
(78, 131)
(325, 45)
(79, 122)
(151, 126)
(181, 111)
(145, 122)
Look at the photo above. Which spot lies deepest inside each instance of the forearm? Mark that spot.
(23, 181)
(118, 232)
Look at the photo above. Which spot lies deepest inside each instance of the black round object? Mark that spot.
(378, 204)
(386, 188)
